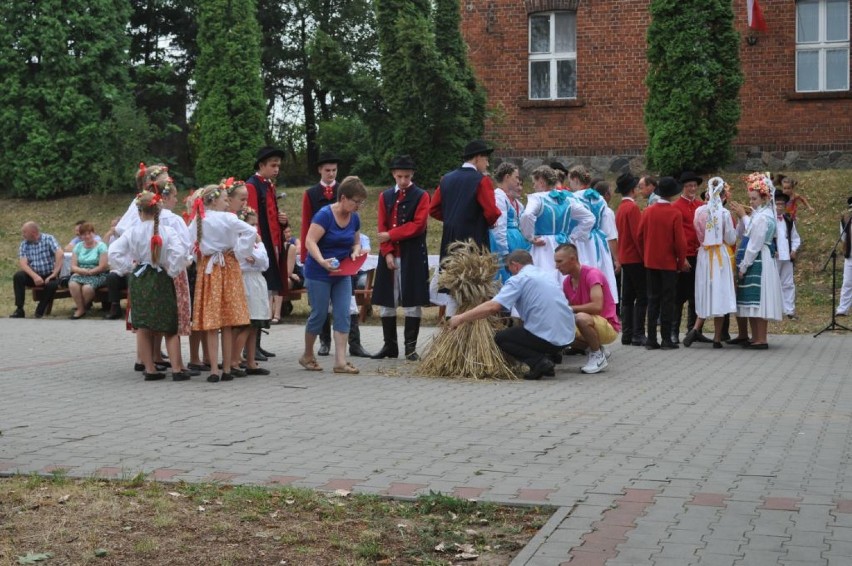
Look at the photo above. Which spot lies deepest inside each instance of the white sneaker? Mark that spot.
(596, 363)
(606, 352)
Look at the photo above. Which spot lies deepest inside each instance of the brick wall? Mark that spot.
(606, 118)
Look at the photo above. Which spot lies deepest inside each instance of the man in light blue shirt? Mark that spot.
(538, 299)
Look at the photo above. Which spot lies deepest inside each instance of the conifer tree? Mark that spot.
(67, 117)
(693, 80)
(231, 114)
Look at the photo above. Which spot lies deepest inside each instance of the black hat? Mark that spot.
(625, 183)
(688, 176)
(402, 162)
(327, 157)
(476, 147)
(667, 187)
(849, 203)
(265, 153)
(556, 166)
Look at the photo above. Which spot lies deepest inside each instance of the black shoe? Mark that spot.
(39, 312)
(141, 367)
(737, 341)
(541, 367)
(652, 345)
(161, 366)
(190, 372)
(412, 356)
(181, 376)
(668, 345)
(138, 367)
(213, 378)
(555, 358)
(638, 341)
(198, 367)
(626, 340)
(257, 371)
(19, 313)
(726, 337)
(227, 377)
(75, 317)
(690, 337)
(266, 353)
(258, 357)
(701, 338)
(387, 351)
(164, 355)
(717, 345)
(757, 347)
(153, 376)
(355, 349)
(675, 338)
(324, 349)
(236, 373)
(550, 373)
(114, 314)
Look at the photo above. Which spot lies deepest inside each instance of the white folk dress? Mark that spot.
(759, 293)
(715, 294)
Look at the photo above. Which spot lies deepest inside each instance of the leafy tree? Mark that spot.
(693, 80)
(435, 104)
(231, 113)
(66, 112)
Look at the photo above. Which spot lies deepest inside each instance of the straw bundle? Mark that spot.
(469, 351)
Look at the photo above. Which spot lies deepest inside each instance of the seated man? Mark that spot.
(587, 291)
(40, 257)
(548, 321)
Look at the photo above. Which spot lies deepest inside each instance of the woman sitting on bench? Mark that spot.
(89, 269)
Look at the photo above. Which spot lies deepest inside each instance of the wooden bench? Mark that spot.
(101, 296)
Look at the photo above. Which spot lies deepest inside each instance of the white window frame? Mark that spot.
(822, 46)
(552, 56)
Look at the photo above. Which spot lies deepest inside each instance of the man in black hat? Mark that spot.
(634, 301)
(687, 204)
(270, 220)
(464, 200)
(402, 274)
(663, 248)
(316, 197)
(561, 174)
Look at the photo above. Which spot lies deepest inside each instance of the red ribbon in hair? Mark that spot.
(229, 182)
(142, 169)
(156, 198)
(198, 208)
(156, 240)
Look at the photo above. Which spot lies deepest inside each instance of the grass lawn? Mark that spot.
(56, 520)
(826, 190)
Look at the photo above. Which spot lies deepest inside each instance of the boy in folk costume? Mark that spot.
(663, 248)
(402, 274)
(787, 243)
(262, 198)
(313, 199)
(634, 304)
(715, 295)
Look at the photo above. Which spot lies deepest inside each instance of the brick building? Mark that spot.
(565, 79)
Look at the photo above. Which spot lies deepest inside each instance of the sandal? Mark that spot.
(309, 364)
(274, 321)
(346, 368)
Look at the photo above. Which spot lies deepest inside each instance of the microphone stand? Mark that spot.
(834, 325)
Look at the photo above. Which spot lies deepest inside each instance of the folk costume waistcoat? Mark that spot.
(462, 213)
(315, 198)
(414, 258)
(262, 198)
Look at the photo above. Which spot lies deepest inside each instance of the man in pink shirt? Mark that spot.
(588, 293)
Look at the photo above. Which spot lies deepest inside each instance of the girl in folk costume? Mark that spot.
(257, 297)
(715, 295)
(506, 234)
(220, 298)
(197, 338)
(547, 219)
(758, 283)
(598, 250)
(152, 254)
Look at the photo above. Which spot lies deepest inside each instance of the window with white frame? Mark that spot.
(822, 45)
(553, 56)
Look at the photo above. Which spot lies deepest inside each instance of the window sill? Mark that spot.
(826, 95)
(568, 103)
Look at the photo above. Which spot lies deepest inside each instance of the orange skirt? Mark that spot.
(220, 297)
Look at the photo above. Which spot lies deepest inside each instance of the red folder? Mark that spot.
(349, 266)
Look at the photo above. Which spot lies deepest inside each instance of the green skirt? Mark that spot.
(748, 289)
(154, 304)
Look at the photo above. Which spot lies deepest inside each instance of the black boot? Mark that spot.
(114, 312)
(410, 333)
(355, 348)
(390, 349)
(260, 350)
(325, 338)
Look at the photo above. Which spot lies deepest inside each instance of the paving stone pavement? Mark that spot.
(696, 456)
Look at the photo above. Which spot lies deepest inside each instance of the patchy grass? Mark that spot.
(826, 190)
(93, 521)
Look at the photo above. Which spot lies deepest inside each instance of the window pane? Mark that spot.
(540, 34)
(807, 71)
(837, 24)
(539, 79)
(807, 21)
(837, 69)
(566, 32)
(566, 79)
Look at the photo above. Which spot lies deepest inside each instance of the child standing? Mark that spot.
(220, 299)
(787, 243)
(788, 187)
(152, 254)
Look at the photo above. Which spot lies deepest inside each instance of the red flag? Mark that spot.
(755, 16)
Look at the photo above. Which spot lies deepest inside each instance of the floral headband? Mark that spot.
(760, 183)
(245, 212)
(230, 185)
(212, 195)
